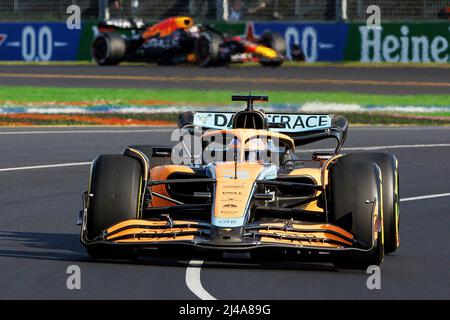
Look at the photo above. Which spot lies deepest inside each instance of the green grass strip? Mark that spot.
(187, 96)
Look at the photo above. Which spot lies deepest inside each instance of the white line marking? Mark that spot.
(400, 146)
(84, 131)
(431, 196)
(300, 151)
(193, 280)
(46, 166)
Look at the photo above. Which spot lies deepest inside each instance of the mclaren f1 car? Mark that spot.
(178, 40)
(243, 189)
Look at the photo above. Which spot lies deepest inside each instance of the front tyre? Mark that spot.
(116, 182)
(356, 206)
(390, 184)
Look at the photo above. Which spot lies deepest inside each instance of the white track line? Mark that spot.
(300, 151)
(194, 282)
(84, 131)
(430, 196)
(399, 146)
(46, 166)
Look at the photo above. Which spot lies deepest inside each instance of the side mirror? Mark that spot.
(161, 152)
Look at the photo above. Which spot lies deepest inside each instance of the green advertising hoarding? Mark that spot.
(399, 42)
(392, 42)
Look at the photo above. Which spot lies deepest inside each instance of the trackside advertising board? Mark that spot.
(399, 42)
(38, 42)
(392, 42)
(318, 41)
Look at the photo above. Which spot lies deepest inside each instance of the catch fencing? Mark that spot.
(227, 10)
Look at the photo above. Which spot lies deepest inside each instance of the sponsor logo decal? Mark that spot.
(233, 186)
(237, 193)
(229, 205)
(401, 45)
(228, 222)
(290, 122)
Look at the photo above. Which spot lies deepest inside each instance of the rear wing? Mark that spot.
(121, 24)
(302, 128)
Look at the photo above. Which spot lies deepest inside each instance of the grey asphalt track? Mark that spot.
(39, 238)
(380, 80)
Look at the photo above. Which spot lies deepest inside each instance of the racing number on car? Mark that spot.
(37, 44)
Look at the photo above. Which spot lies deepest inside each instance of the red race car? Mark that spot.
(178, 40)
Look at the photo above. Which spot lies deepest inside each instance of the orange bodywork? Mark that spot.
(168, 26)
(310, 235)
(161, 173)
(246, 134)
(232, 194)
(234, 185)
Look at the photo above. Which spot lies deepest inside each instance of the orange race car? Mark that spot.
(234, 184)
(178, 40)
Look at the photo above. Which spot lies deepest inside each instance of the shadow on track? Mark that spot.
(67, 247)
(39, 245)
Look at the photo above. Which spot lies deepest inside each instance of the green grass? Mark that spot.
(123, 96)
(434, 114)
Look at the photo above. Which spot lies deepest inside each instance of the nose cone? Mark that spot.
(234, 188)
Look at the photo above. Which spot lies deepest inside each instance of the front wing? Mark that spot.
(311, 237)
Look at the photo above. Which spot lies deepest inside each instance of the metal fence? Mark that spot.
(229, 10)
(401, 10)
(44, 10)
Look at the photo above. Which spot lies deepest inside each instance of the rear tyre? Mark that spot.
(390, 182)
(108, 49)
(207, 49)
(185, 119)
(116, 189)
(355, 196)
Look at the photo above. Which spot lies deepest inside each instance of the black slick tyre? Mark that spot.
(391, 199)
(116, 195)
(108, 49)
(355, 205)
